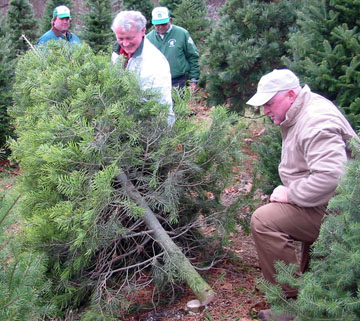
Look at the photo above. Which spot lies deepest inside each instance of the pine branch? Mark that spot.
(10, 208)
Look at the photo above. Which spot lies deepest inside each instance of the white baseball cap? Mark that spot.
(61, 12)
(160, 15)
(271, 83)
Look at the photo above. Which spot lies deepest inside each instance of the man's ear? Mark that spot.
(292, 95)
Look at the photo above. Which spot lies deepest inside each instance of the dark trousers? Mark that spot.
(179, 82)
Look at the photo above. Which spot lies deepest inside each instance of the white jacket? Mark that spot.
(154, 72)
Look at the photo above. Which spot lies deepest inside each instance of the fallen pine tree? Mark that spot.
(110, 193)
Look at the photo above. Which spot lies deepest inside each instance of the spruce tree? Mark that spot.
(83, 125)
(144, 6)
(191, 15)
(20, 21)
(330, 290)
(7, 72)
(48, 12)
(247, 42)
(97, 25)
(324, 52)
(170, 4)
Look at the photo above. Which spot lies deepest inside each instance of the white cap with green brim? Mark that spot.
(61, 12)
(271, 83)
(160, 15)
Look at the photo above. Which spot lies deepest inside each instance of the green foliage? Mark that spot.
(191, 15)
(247, 42)
(22, 280)
(144, 6)
(49, 9)
(7, 72)
(324, 52)
(330, 291)
(97, 25)
(269, 150)
(20, 21)
(81, 121)
(170, 4)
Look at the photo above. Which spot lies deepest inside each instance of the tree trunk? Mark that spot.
(200, 288)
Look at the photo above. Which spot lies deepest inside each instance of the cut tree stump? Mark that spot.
(194, 306)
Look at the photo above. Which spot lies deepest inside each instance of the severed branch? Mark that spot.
(200, 288)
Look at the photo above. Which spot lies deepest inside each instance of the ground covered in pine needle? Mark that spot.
(233, 279)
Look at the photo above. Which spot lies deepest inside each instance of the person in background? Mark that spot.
(314, 150)
(60, 27)
(178, 48)
(142, 57)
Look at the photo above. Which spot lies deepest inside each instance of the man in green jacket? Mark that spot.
(178, 48)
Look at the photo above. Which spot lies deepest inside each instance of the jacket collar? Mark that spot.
(165, 34)
(295, 109)
(139, 50)
(59, 34)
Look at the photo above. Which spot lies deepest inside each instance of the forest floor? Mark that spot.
(233, 278)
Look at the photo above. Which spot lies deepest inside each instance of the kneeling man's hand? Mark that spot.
(279, 194)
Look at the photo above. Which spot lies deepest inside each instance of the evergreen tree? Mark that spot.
(191, 15)
(97, 25)
(247, 42)
(22, 275)
(82, 125)
(170, 4)
(144, 6)
(48, 12)
(7, 71)
(20, 21)
(268, 149)
(324, 52)
(330, 290)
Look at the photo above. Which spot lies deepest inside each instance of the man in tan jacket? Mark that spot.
(314, 150)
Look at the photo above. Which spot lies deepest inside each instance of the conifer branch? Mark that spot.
(139, 264)
(9, 209)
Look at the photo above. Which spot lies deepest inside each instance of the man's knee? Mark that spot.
(258, 219)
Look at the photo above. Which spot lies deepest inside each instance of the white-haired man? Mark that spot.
(142, 57)
(314, 150)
